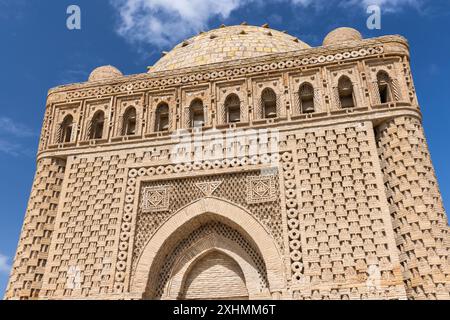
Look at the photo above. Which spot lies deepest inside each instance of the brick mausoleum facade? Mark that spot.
(244, 165)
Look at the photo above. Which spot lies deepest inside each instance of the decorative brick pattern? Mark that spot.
(261, 189)
(86, 227)
(418, 216)
(336, 218)
(204, 230)
(345, 206)
(155, 199)
(215, 276)
(185, 191)
(33, 250)
(208, 188)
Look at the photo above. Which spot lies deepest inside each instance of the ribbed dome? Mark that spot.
(225, 44)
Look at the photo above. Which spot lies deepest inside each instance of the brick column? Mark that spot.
(32, 252)
(419, 220)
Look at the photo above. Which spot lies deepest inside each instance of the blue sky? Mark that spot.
(38, 52)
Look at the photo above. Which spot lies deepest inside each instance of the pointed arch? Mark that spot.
(129, 122)
(176, 287)
(306, 98)
(384, 82)
(269, 103)
(215, 275)
(190, 217)
(197, 113)
(233, 108)
(346, 93)
(97, 126)
(162, 117)
(66, 130)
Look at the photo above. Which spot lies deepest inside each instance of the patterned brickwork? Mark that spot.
(416, 208)
(204, 231)
(34, 244)
(214, 277)
(85, 242)
(227, 44)
(338, 235)
(184, 192)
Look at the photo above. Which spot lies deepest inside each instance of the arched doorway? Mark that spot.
(215, 276)
(201, 239)
(181, 262)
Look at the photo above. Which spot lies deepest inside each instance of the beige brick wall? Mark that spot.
(418, 216)
(215, 276)
(34, 245)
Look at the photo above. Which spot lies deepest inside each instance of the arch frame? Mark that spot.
(125, 118)
(301, 87)
(269, 92)
(157, 118)
(94, 122)
(175, 287)
(65, 125)
(197, 105)
(232, 100)
(202, 210)
(384, 75)
(345, 78)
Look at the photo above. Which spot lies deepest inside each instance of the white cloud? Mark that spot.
(12, 137)
(163, 23)
(388, 6)
(13, 128)
(4, 265)
(10, 148)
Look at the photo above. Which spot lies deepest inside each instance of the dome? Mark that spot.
(105, 73)
(226, 44)
(341, 35)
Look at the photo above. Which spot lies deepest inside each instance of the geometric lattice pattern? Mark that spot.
(155, 199)
(205, 230)
(261, 189)
(208, 188)
(184, 191)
